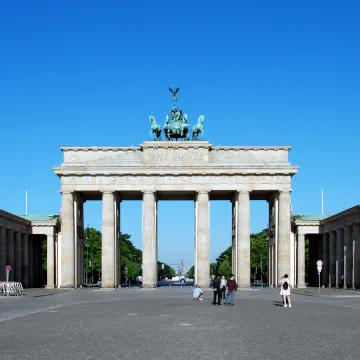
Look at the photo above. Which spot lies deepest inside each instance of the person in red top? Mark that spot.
(231, 287)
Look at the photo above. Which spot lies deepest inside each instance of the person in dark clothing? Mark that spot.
(217, 290)
(231, 287)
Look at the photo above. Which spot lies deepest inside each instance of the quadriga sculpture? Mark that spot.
(155, 128)
(198, 128)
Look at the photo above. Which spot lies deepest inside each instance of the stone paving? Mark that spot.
(167, 324)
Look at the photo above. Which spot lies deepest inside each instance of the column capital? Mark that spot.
(243, 191)
(285, 191)
(148, 191)
(203, 192)
(108, 192)
(63, 192)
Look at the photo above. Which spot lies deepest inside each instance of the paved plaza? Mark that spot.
(168, 324)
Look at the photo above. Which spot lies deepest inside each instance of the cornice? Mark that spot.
(99, 148)
(180, 171)
(251, 148)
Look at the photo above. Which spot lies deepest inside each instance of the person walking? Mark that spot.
(231, 287)
(285, 290)
(223, 287)
(217, 290)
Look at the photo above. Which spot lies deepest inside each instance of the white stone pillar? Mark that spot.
(284, 234)
(301, 261)
(356, 255)
(348, 257)
(270, 265)
(31, 262)
(117, 242)
(108, 241)
(2, 253)
(25, 261)
(50, 261)
(243, 248)
(332, 258)
(67, 241)
(325, 260)
(17, 269)
(10, 256)
(203, 239)
(149, 261)
(339, 256)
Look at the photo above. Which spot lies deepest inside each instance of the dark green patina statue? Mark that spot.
(176, 126)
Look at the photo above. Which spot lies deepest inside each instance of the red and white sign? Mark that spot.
(319, 263)
(319, 268)
(8, 267)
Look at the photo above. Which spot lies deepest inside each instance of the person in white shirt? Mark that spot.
(223, 287)
(285, 290)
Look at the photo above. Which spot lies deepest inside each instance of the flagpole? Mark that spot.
(322, 201)
(26, 202)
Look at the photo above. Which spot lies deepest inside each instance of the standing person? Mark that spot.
(217, 290)
(285, 290)
(281, 282)
(223, 287)
(231, 287)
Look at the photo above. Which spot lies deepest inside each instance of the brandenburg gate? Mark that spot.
(173, 170)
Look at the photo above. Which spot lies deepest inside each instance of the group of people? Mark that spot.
(223, 289)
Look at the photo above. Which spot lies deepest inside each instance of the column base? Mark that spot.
(149, 286)
(49, 287)
(301, 286)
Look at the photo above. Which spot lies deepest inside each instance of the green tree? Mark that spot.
(225, 268)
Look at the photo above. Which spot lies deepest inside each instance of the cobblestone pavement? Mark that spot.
(167, 324)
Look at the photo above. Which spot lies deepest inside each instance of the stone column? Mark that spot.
(356, 254)
(67, 241)
(25, 261)
(301, 261)
(108, 241)
(270, 264)
(348, 257)
(17, 270)
(325, 259)
(50, 266)
(2, 253)
(339, 256)
(332, 257)
(10, 256)
(31, 262)
(243, 248)
(203, 239)
(149, 244)
(284, 234)
(117, 241)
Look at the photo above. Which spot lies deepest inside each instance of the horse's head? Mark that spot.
(151, 119)
(201, 119)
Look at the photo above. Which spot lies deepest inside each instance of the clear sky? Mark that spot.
(263, 72)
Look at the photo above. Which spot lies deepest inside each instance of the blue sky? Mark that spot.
(263, 73)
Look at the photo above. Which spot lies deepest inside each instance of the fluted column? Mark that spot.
(2, 253)
(31, 261)
(270, 264)
(348, 257)
(108, 241)
(25, 260)
(149, 240)
(339, 256)
(50, 264)
(356, 254)
(332, 257)
(67, 241)
(10, 256)
(301, 261)
(325, 260)
(284, 234)
(17, 270)
(243, 231)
